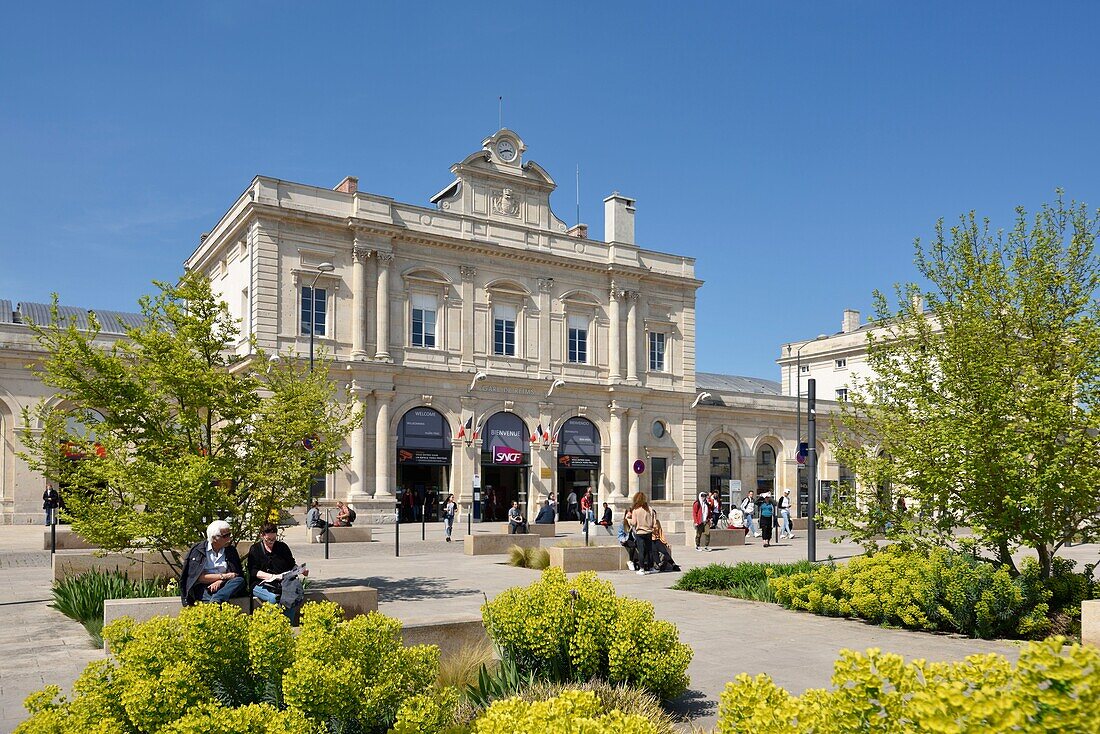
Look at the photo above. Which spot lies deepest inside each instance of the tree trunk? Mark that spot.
(1004, 556)
(1045, 560)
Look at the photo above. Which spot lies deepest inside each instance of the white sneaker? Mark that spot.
(651, 571)
(640, 572)
(630, 565)
(756, 535)
(707, 549)
(698, 549)
(791, 536)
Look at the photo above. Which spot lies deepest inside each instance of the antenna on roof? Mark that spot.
(578, 194)
(500, 112)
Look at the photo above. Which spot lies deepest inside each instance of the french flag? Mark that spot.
(469, 425)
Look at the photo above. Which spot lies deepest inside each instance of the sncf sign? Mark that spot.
(507, 456)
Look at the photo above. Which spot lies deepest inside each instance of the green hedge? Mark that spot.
(742, 580)
(938, 590)
(81, 597)
(565, 630)
(1053, 688)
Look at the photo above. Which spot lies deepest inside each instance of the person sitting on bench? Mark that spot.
(517, 523)
(546, 515)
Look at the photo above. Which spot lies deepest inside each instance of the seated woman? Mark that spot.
(268, 561)
(345, 516)
(662, 554)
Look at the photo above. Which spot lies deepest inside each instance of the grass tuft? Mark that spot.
(741, 580)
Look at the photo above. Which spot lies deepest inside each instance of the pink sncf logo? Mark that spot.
(507, 456)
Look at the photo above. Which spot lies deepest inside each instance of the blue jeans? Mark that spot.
(749, 523)
(51, 515)
(787, 526)
(268, 597)
(448, 524)
(228, 590)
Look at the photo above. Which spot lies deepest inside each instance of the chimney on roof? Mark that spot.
(618, 219)
(203, 236)
(580, 231)
(349, 185)
(851, 321)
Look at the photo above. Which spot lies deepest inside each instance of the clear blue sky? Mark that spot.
(795, 149)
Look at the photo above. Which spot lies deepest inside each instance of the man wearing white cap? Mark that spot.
(785, 513)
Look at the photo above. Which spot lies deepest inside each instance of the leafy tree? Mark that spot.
(169, 428)
(983, 408)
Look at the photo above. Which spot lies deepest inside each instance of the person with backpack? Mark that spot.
(748, 507)
(450, 509)
(787, 531)
(767, 517)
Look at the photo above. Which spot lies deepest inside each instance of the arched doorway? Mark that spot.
(505, 461)
(423, 462)
(721, 471)
(578, 463)
(765, 468)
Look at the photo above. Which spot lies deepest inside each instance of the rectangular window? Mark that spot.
(842, 393)
(504, 330)
(318, 487)
(841, 363)
(659, 479)
(423, 321)
(314, 308)
(804, 368)
(656, 352)
(578, 340)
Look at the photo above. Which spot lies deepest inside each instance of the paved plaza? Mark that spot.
(433, 580)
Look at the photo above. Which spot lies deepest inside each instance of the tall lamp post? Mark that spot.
(323, 268)
(798, 419)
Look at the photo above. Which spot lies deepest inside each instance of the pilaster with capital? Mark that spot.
(615, 477)
(384, 456)
(468, 274)
(614, 347)
(359, 464)
(359, 255)
(633, 450)
(382, 308)
(631, 335)
(546, 288)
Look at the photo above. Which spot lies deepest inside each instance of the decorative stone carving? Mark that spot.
(426, 400)
(384, 258)
(360, 254)
(630, 296)
(546, 285)
(506, 204)
(467, 272)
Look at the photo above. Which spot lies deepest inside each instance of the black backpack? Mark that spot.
(351, 515)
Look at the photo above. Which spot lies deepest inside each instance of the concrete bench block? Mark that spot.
(354, 534)
(66, 540)
(719, 538)
(1090, 622)
(486, 544)
(592, 558)
(450, 634)
(543, 531)
(74, 563)
(354, 600)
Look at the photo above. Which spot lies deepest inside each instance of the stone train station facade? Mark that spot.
(492, 345)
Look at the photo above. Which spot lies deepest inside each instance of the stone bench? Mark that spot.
(719, 538)
(450, 634)
(543, 531)
(487, 544)
(66, 540)
(355, 601)
(1090, 622)
(135, 565)
(591, 558)
(353, 534)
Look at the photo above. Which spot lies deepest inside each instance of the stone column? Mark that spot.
(614, 347)
(359, 255)
(631, 336)
(618, 489)
(384, 456)
(358, 464)
(382, 308)
(468, 273)
(634, 414)
(546, 287)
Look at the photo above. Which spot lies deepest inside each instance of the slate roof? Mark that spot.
(736, 383)
(110, 322)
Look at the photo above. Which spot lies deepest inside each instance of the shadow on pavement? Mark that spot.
(413, 588)
(693, 705)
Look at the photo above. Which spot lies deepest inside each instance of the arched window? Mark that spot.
(721, 470)
(765, 469)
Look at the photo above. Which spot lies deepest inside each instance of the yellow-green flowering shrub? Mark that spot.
(573, 712)
(214, 669)
(931, 590)
(428, 713)
(575, 630)
(1054, 687)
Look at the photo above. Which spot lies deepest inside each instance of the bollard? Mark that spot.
(397, 533)
(423, 521)
(53, 533)
(328, 520)
(470, 522)
(586, 532)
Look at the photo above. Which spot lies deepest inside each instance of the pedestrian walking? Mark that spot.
(51, 500)
(767, 517)
(748, 507)
(571, 506)
(700, 517)
(450, 509)
(785, 513)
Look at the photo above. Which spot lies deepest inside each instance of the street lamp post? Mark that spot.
(798, 426)
(323, 268)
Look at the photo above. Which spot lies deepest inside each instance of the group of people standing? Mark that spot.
(774, 514)
(643, 537)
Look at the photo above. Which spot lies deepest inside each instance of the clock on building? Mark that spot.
(506, 150)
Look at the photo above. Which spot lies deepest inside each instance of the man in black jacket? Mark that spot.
(212, 569)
